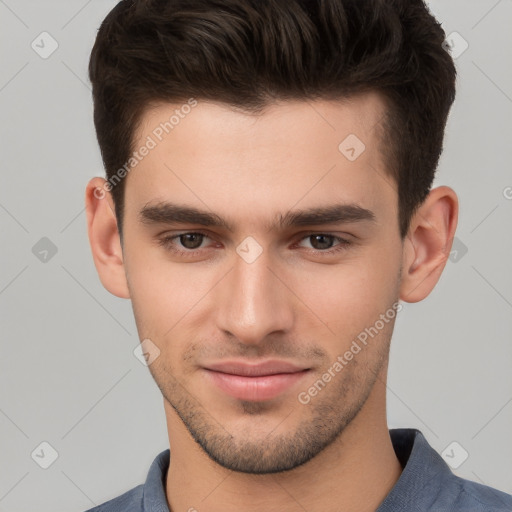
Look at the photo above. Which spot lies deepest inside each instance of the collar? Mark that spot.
(422, 468)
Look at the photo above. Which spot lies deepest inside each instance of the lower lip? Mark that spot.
(261, 388)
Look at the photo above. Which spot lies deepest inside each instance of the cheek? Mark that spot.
(348, 297)
(160, 291)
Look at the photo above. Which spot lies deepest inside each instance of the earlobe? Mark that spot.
(428, 243)
(104, 238)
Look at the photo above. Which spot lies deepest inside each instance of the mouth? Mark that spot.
(254, 382)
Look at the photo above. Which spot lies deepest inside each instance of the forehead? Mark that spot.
(300, 153)
(279, 125)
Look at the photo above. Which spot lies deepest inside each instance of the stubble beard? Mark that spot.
(323, 420)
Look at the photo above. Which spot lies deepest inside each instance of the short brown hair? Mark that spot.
(248, 53)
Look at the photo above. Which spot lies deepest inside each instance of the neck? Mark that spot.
(354, 473)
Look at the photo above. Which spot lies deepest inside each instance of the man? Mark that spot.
(267, 207)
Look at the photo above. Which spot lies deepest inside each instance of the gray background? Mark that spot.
(68, 373)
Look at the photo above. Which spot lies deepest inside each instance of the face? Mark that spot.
(292, 253)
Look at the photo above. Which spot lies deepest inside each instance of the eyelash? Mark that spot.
(166, 242)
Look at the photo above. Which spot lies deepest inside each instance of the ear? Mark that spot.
(428, 243)
(104, 237)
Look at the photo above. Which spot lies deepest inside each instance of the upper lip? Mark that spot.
(248, 369)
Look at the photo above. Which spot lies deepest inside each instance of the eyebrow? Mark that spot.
(170, 213)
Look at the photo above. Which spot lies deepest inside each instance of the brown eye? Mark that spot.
(184, 244)
(324, 242)
(321, 242)
(191, 240)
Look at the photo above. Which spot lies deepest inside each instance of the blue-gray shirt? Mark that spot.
(426, 484)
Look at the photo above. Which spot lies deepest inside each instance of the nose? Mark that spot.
(254, 301)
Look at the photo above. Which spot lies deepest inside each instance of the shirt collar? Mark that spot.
(422, 467)
(154, 498)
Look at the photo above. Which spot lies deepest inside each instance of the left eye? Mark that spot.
(324, 241)
(190, 240)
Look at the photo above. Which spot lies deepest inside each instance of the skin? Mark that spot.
(293, 303)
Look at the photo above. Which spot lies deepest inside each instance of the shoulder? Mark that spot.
(428, 483)
(147, 496)
(130, 501)
(473, 496)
